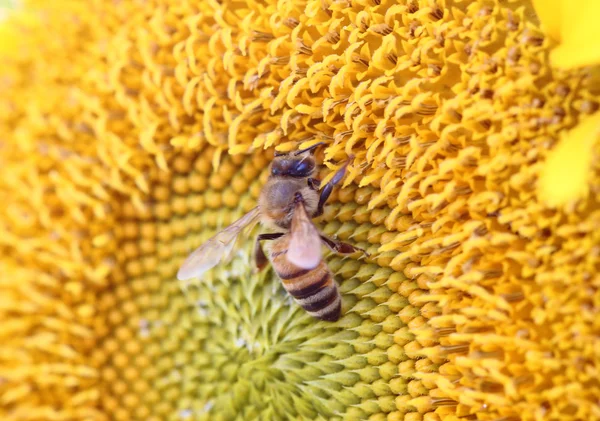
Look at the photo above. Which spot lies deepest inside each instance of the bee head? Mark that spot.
(293, 166)
(297, 164)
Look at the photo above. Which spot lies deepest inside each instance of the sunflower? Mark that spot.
(131, 131)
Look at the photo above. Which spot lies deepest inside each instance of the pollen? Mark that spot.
(131, 132)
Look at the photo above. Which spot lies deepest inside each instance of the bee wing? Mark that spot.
(304, 249)
(216, 249)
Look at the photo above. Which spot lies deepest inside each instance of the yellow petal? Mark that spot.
(566, 173)
(549, 12)
(575, 25)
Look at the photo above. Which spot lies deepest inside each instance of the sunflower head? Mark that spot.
(131, 132)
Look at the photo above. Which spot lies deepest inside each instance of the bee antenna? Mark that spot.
(277, 153)
(309, 149)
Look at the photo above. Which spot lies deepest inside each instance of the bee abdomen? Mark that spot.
(315, 290)
(326, 304)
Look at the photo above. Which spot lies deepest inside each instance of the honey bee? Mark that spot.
(287, 203)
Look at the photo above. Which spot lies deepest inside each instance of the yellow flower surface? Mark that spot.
(565, 176)
(574, 25)
(564, 180)
(130, 131)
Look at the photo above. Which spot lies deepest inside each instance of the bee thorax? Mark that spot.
(277, 200)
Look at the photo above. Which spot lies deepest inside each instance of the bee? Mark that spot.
(289, 200)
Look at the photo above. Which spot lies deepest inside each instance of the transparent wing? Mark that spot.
(304, 249)
(216, 249)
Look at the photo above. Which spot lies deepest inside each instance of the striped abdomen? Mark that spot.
(315, 290)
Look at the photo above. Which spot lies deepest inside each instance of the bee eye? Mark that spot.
(301, 168)
(275, 171)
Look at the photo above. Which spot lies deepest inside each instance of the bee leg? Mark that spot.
(314, 183)
(326, 192)
(341, 247)
(259, 255)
